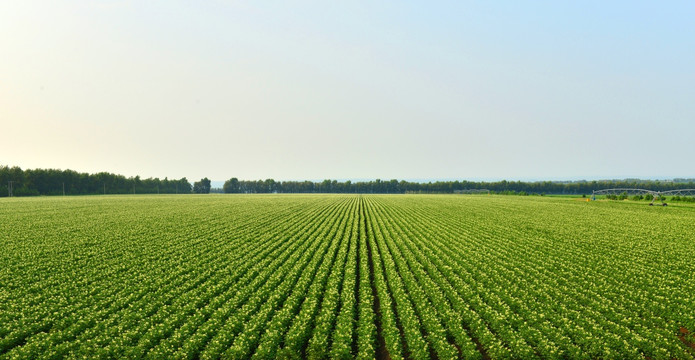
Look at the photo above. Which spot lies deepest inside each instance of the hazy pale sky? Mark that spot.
(377, 89)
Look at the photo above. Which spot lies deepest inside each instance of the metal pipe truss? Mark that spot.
(679, 192)
(655, 194)
(472, 191)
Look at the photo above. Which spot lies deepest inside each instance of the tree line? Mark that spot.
(395, 186)
(69, 182)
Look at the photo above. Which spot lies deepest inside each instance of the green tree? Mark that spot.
(202, 186)
(231, 186)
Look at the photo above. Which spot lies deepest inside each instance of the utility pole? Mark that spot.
(9, 188)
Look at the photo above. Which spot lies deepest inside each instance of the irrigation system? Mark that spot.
(660, 195)
(472, 191)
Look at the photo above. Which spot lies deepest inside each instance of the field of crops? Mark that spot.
(345, 276)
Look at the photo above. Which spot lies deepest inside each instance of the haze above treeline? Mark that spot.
(350, 90)
(33, 182)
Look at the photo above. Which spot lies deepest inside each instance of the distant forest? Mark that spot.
(69, 182)
(378, 186)
(33, 182)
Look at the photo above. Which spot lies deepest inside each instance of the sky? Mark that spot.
(294, 90)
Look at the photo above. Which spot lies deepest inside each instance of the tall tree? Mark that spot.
(202, 186)
(231, 186)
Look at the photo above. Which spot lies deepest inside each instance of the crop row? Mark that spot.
(336, 276)
(170, 300)
(516, 286)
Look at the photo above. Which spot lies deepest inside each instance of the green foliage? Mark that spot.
(34, 182)
(202, 186)
(231, 186)
(51, 181)
(344, 276)
(679, 198)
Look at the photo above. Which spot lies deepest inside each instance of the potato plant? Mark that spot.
(345, 276)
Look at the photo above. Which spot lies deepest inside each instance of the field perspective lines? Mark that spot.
(345, 276)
